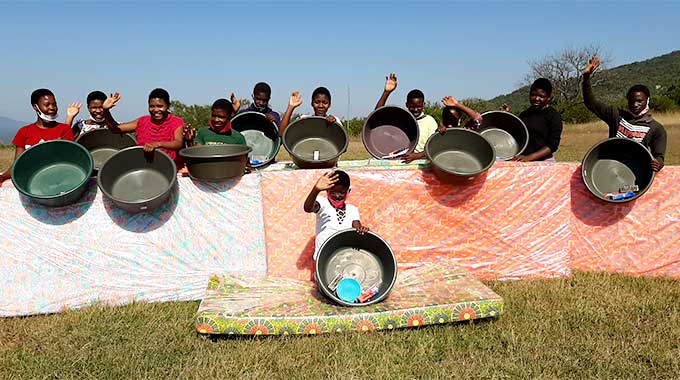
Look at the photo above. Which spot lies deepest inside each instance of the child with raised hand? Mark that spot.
(159, 130)
(95, 100)
(452, 112)
(45, 128)
(635, 123)
(262, 93)
(333, 214)
(415, 102)
(219, 129)
(543, 123)
(321, 102)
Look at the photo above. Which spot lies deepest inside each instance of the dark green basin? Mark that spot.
(615, 164)
(506, 132)
(216, 162)
(261, 135)
(53, 173)
(137, 181)
(313, 143)
(366, 258)
(390, 132)
(102, 144)
(459, 155)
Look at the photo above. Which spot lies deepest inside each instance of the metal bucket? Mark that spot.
(137, 181)
(216, 162)
(365, 258)
(390, 132)
(261, 135)
(615, 166)
(314, 144)
(102, 144)
(53, 173)
(505, 132)
(460, 155)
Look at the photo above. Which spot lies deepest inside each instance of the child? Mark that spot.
(219, 131)
(45, 127)
(635, 123)
(543, 122)
(321, 102)
(95, 100)
(415, 101)
(160, 129)
(262, 93)
(451, 115)
(332, 213)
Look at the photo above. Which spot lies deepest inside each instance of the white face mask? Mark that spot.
(44, 116)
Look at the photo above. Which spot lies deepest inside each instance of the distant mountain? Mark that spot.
(657, 73)
(8, 128)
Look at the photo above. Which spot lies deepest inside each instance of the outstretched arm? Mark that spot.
(390, 85)
(293, 103)
(324, 182)
(450, 101)
(607, 113)
(71, 112)
(111, 123)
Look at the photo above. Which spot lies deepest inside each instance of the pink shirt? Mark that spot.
(148, 132)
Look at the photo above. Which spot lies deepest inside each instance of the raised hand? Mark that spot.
(73, 109)
(295, 99)
(111, 101)
(326, 181)
(450, 101)
(391, 82)
(235, 102)
(593, 64)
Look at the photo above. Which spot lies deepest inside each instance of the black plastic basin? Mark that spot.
(366, 258)
(506, 132)
(137, 181)
(216, 162)
(102, 144)
(313, 143)
(459, 155)
(261, 135)
(53, 173)
(390, 132)
(616, 164)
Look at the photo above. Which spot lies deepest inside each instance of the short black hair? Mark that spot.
(450, 116)
(39, 93)
(638, 88)
(262, 87)
(343, 179)
(159, 93)
(415, 94)
(542, 84)
(321, 91)
(223, 104)
(95, 95)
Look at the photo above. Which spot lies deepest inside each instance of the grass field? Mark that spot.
(593, 325)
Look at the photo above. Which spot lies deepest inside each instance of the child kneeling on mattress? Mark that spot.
(333, 214)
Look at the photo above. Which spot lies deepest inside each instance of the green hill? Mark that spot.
(658, 73)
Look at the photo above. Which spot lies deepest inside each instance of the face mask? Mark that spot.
(644, 111)
(340, 203)
(98, 121)
(44, 116)
(259, 109)
(225, 129)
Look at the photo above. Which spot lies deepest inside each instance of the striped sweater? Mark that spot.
(643, 129)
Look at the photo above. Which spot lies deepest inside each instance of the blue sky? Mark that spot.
(201, 51)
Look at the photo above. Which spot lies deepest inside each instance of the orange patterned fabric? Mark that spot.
(514, 223)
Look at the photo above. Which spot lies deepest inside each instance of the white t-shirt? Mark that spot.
(328, 223)
(427, 126)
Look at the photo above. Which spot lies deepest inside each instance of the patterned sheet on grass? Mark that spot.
(54, 259)
(433, 293)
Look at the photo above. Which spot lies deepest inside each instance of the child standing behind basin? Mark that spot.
(333, 214)
(321, 103)
(219, 130)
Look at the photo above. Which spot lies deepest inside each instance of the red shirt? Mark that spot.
(148, 132)
(31, 134)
